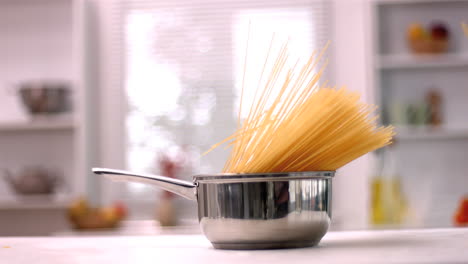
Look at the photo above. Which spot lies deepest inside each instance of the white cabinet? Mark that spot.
(47, 40)
(432, 162)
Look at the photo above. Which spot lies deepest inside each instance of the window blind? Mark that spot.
(182, 66)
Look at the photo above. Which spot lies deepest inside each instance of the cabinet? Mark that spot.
(48, 40)
(432, 161)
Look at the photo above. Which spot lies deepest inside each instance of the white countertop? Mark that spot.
(408, 246)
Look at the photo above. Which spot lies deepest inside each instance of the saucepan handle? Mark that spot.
(183, 188)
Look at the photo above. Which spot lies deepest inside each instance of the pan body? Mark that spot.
(263, 211)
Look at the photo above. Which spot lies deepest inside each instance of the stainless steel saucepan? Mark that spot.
(253, 211)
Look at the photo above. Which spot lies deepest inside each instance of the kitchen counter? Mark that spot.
(405, 246)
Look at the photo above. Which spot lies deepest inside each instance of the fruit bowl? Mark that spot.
(434, 40)
(428, 46)
(84, 217)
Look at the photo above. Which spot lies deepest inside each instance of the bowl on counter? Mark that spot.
(45, 97)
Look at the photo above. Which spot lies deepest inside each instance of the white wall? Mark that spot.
(112, 106)
(349, 67)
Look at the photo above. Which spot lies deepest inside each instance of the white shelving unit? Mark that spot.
(428, 133)
(399, 2)
(35, 202)
(48, 40)
(409, 61)
(38, 126)
(431, 163)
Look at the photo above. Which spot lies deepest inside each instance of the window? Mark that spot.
(183, 71)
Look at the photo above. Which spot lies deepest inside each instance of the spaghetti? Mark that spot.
(306, 126)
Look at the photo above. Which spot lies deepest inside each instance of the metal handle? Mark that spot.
(183, 188)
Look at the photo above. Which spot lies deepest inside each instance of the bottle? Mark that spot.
(389, 204)
(434, 100)
(166, 211)
(377, 204)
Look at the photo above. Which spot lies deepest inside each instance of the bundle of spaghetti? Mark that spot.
(296, 123)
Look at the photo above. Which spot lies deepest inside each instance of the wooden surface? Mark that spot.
(410, 246)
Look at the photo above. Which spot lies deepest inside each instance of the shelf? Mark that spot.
(34, 202)
(408, 61)
(38, 125)
(422, 133)
(399, 2)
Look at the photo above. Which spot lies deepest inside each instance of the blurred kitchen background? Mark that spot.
(149, 85)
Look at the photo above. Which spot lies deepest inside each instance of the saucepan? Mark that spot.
(252, 211)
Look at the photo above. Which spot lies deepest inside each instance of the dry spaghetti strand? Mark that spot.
(306, 126)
